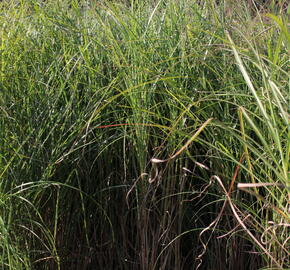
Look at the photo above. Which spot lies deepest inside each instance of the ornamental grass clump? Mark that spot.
(143, 135)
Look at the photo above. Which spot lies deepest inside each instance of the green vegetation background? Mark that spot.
(127, 130)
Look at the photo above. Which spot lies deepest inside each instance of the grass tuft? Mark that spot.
(144, 135)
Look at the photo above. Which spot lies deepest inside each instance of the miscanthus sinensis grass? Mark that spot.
(143, 135)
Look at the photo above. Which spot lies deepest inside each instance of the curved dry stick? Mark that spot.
(194, 136)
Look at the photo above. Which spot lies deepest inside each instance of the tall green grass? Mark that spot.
(143, 135)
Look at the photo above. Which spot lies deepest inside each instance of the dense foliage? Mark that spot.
(144, 135)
